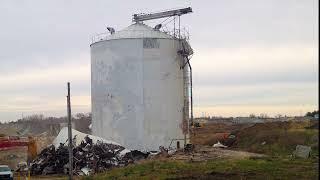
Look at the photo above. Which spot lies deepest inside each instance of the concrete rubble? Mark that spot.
(219, 145)
(302, 151)
(90, 156)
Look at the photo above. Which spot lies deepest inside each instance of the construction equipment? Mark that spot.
(10, 142)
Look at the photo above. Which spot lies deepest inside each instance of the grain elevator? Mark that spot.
(141, 83)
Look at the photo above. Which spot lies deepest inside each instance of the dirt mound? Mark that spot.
(8, 131)
(212, 133)
(205, 153)
(268, 138)
(276, 137)
(43, 141)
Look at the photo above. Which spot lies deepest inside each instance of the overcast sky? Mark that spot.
(250, 56)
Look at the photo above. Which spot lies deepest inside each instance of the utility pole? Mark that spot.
(69, 134)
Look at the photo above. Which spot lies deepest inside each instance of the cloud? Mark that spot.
(47, 76)
(14, 106)
(266, 94)
(235, 23)
(255, 65)
(246, 110)
(283, 76)
(43, 90)
(247, 53)
(38, 104)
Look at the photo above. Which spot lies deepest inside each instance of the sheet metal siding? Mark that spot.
(137, 93)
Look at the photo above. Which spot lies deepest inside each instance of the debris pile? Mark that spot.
(90, 155)
(302, 151)
(88, 158)
(219, 145)
(78, 137)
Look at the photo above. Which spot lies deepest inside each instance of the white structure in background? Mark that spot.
(138, 88)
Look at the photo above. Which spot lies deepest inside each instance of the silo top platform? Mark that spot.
(134, 31)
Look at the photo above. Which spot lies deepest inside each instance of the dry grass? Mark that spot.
(265, 168)
(273, 138)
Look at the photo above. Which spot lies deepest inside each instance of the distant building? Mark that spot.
(201, 120)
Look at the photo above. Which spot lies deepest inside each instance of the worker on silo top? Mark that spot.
(32, 149)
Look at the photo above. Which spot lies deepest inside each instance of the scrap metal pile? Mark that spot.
(88, 157)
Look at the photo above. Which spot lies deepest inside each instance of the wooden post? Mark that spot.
(69, 134)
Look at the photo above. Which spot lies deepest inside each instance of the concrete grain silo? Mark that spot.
(140, 89)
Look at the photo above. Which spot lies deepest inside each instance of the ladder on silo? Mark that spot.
(186, 51)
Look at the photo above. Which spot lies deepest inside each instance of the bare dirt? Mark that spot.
(204, 153)
(273, 138)
(211, 133)
(12, 157)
